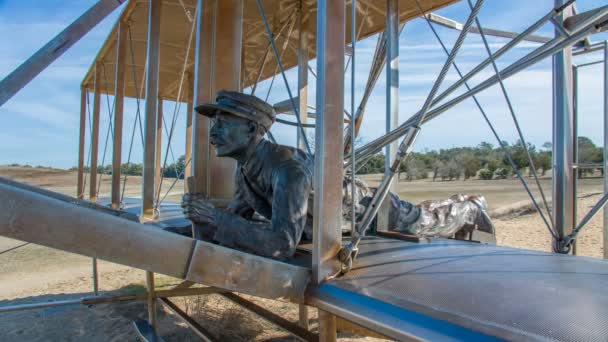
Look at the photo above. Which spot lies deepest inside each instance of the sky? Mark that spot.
(40, 123)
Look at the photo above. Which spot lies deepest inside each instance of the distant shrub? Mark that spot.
(501, 173)
(485, 174)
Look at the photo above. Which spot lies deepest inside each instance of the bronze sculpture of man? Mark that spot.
(275, 181)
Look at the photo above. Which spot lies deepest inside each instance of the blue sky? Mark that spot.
(40, 123)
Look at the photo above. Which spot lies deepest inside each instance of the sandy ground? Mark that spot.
(32, 273)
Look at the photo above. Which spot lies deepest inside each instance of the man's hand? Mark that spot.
(198, 209)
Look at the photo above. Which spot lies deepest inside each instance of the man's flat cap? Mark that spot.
(241, 105)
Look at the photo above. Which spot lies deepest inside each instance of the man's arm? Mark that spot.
(279, 238)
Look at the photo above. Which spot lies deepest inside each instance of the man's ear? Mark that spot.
(253, 127)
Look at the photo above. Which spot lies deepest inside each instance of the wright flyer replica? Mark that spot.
(293, 223)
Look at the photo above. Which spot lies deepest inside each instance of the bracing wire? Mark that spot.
(280, 64)
(493, 129)
(84, 185)
(175, 180)
(110, 129)
(276, 69)
(267, 51)
(175, 115)
(514, 117)
(138, 95)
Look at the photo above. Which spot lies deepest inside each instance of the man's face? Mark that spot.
(230, 135)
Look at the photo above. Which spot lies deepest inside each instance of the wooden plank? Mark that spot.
(202, 91)
(95, 134)
(228, 38)
(121, 57)
(152, 76)
(26, 72)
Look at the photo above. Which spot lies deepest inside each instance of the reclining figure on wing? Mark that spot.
(275, 182)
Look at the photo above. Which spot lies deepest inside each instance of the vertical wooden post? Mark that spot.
(151, 300)
(81, 143)
(228, 38)
(95, 134)
(188, 154)
(303, 55)
(202, 90)
(119, 93)
(327, 327)
(217, 67)
(159, 144)
(152, 74)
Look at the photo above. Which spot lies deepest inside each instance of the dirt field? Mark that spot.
(34, 273)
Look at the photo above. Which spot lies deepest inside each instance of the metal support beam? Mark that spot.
(189, 114)
(392, 101)
(328, 173)
(95, 134)
(81, 143)
(575, 162)
(121, 59)
(152, 75)
(563, 152)
(95, 276)
(26, 72)
(605, 245)
(159, 146)
(203, 60)
(303, 55)
(452, 24)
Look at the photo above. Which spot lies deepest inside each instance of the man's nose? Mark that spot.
(214, 130)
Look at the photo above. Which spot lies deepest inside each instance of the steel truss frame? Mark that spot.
(330, 152)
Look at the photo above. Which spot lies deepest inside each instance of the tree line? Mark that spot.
(173, 170)
(485, 162)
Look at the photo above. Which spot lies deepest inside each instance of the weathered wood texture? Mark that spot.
(152, 75)
(121, 59)
(95, 134)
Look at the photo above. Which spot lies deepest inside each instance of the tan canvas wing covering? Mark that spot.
(176, 28)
